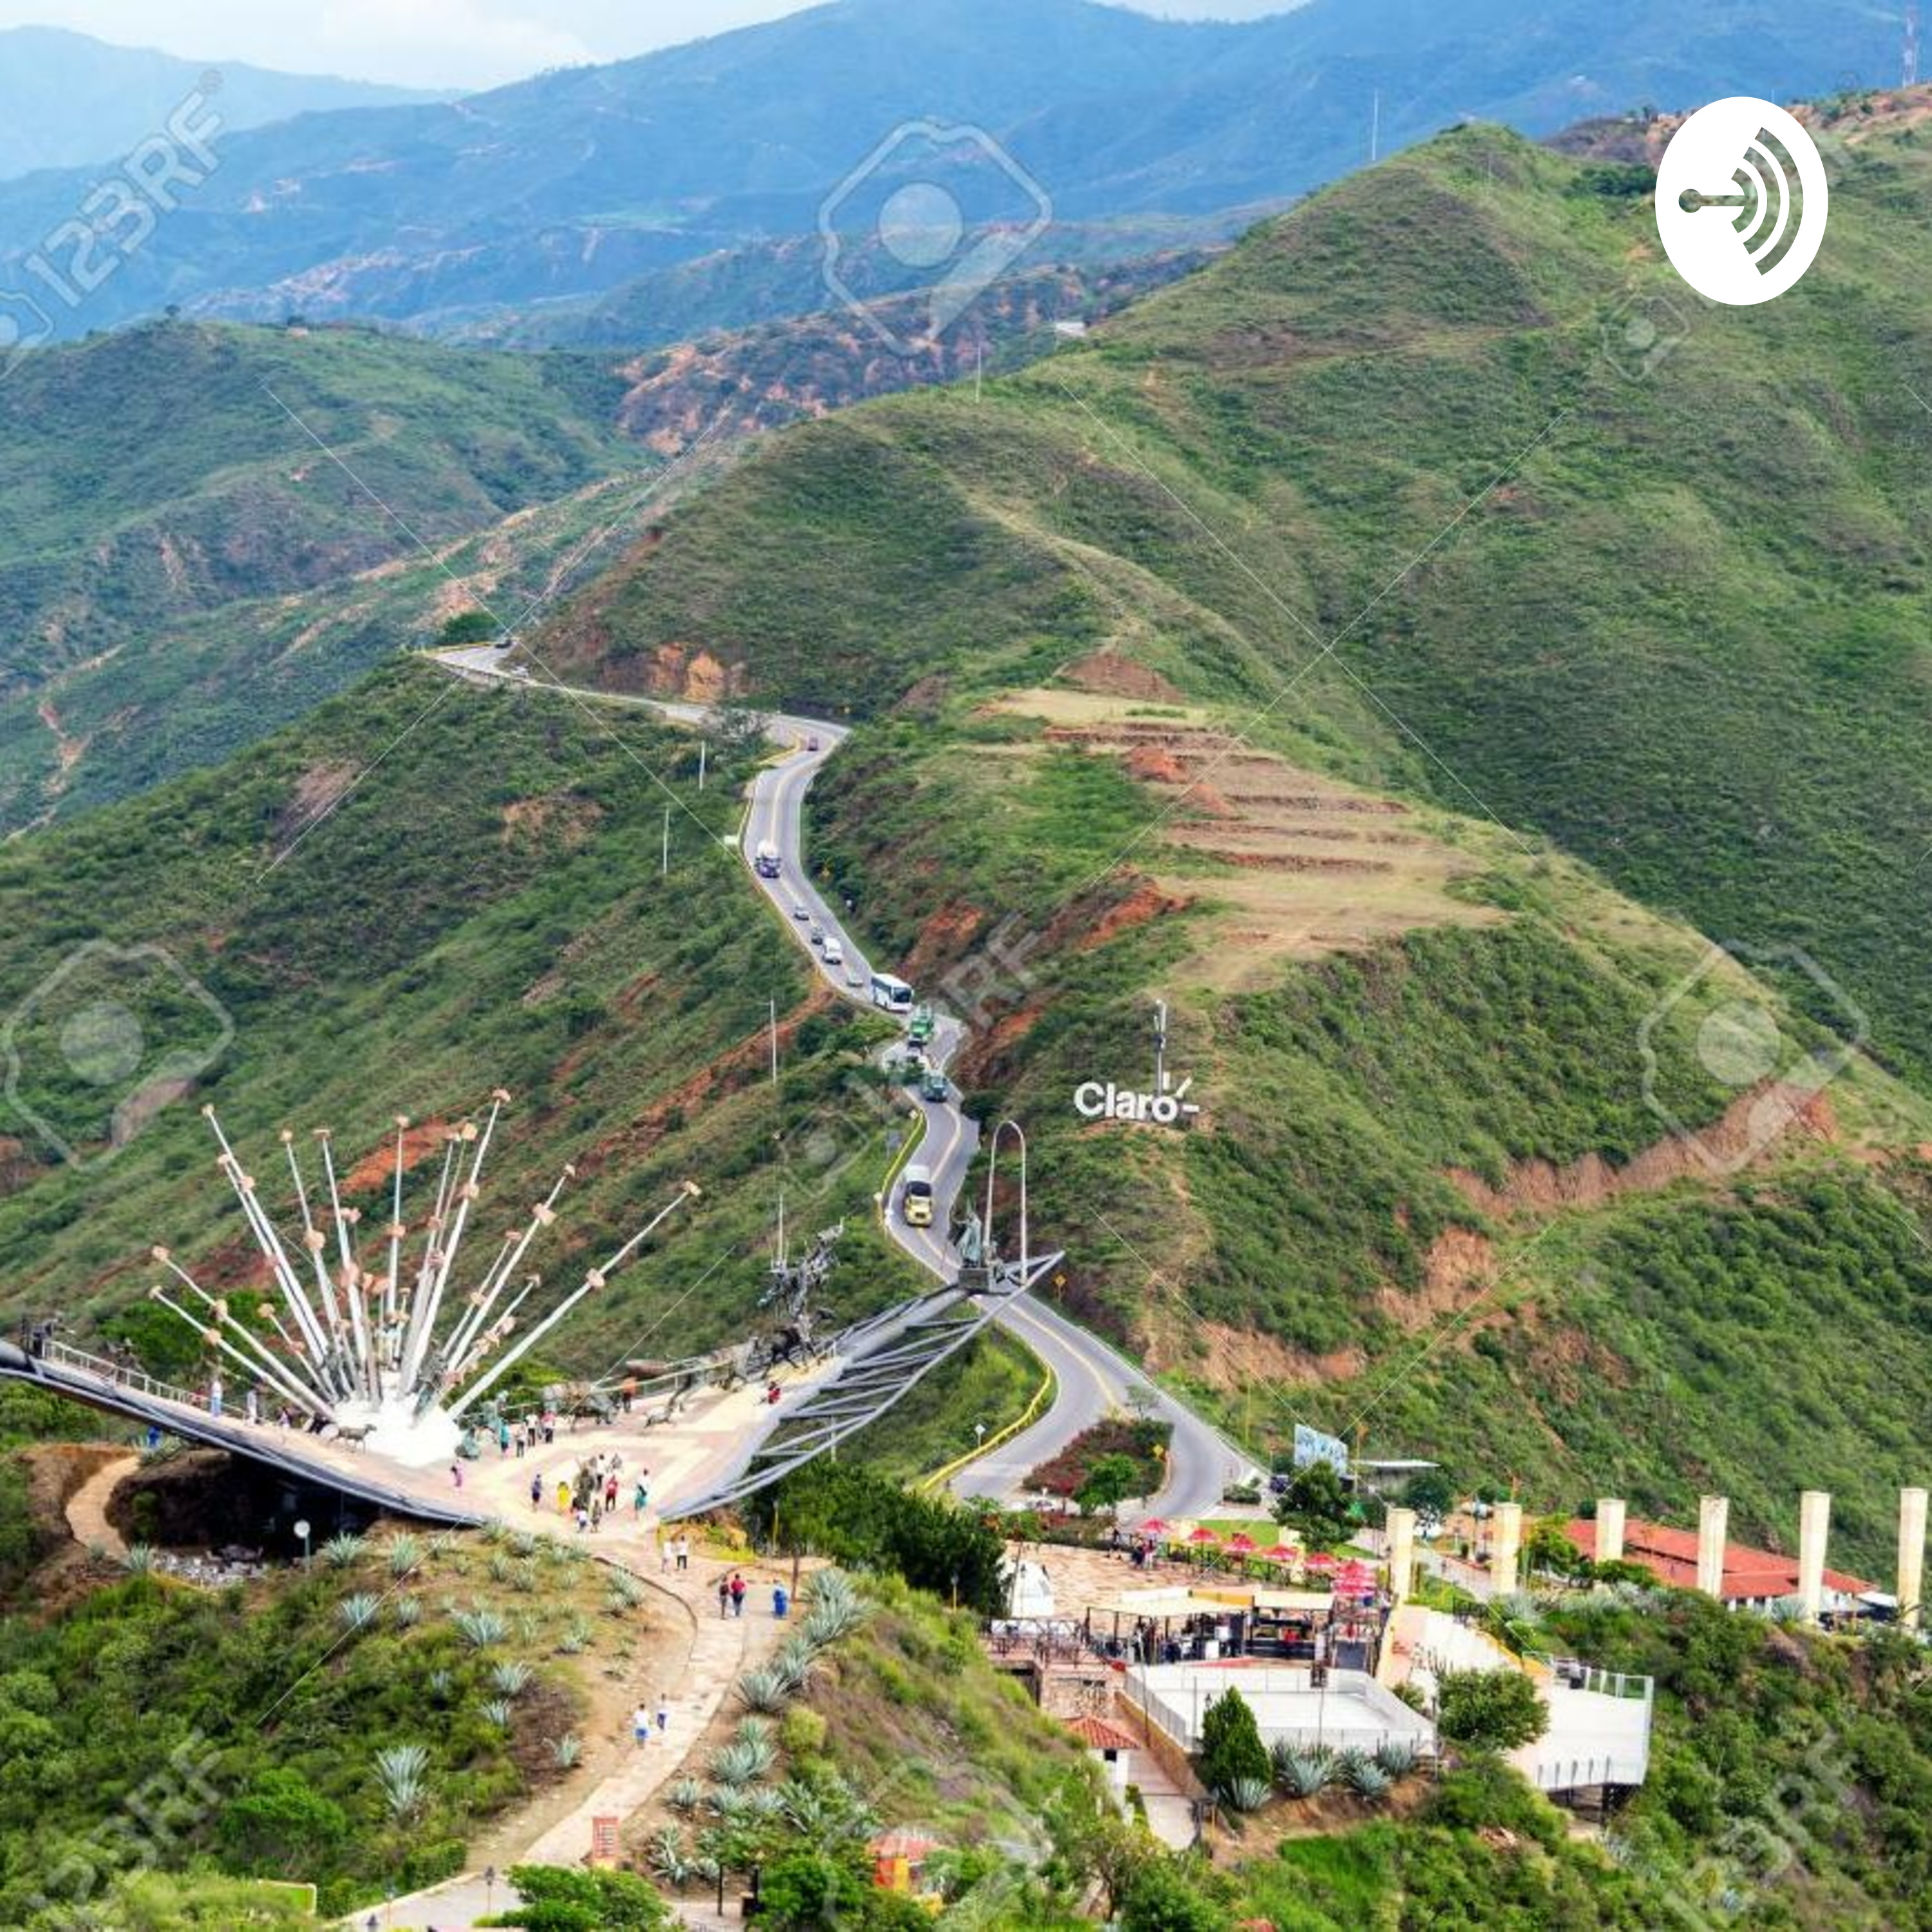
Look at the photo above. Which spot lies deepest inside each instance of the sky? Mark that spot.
(442, 43)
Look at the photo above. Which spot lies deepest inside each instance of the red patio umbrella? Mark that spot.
(1355, 1579)
(1281, 1552)
(1323, 1563)
(1153, 1526)
(1203, 1534)
(1242, 1543)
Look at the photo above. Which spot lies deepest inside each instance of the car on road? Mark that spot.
(935, 1086)
(835, 953)
(798, 910)
(817, 935)
(811, 744)
(855, 974)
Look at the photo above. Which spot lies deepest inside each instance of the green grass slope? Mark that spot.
(174, 494)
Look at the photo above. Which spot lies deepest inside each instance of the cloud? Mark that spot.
(455, 42)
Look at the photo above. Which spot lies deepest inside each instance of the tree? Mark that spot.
(1546, 1548)
(556, 1900)
(282, 1827)
(805, 1890)
(1432, 1495)
(1172, 1895)
(469, 627)
(1489, 1710)
(1109, 1483)
(1231, 1750)
(1093, 1844)
(1316, 1502)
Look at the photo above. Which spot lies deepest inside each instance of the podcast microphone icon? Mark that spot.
(1742, 201)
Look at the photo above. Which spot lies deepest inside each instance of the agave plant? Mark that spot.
(511, 1679)
(1367, 1779)
(1249, 1794)
(684, 1795)
(407, 1611)
(739, 1762)
(728, 1804)
(403, 1772)
(339, 1552)
(566, 1752)
(623, 1585)
(405, 1554)
(499, 1711)
(1397, 1756)
(480, 1629)
(666, 1854)
(796, 1660)
(1302, 1774)
(500, 1569)
(138, 1560)
(831, 1587)
(440, 1684)
(758, 1733)
(359, 1611)
(763, 1805)
(764, 1687)
(523, 1579)
(525, 1545)
(574, 1637)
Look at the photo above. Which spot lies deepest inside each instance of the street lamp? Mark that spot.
(302, 1530)
(978, 1434)
(992, 1173)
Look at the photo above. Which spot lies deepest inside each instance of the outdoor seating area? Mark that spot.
(1212, 1621)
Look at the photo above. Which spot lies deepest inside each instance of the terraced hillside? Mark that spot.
(1603, 618)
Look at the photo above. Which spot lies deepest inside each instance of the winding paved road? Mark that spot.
(1092, 1380)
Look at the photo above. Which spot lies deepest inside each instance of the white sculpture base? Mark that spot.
(398, 1433)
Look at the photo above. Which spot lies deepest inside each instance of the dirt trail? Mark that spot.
(87, 1508)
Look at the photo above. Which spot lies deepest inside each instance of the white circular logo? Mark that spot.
(1742, 201)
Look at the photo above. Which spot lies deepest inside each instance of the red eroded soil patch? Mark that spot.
(1155, 764)
(1113, 675)
(1750, 1129)
(1146, 902)
(419, 1142)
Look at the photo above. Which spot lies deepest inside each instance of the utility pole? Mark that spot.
(1160, 1047)
(1911, 63)
(1376, 129)
(703, 746)
(666, 842)
(775, 1043)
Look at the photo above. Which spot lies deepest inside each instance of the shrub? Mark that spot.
(1231, 1750)
(802, 1731)
(1489, 1710)
(560, 1900)
(402, 1771)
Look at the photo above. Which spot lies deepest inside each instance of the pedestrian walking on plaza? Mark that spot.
(640, 1726)
(563, 1499)
(536, 1492)
(724, 1596)
(664, 1714)
(502, 1437)
(684, 1552)
(610, 1491)
(596, 1511)
(780, 1602)
(456, 1475)
(582, 1519)
(640, 1501)
(737, 1595)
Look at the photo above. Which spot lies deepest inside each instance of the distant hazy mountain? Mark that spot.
(67, 100)
(575, 183)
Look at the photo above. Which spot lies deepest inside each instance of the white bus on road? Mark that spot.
(894, 995)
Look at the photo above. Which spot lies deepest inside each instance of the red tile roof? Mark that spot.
(1671, 1556)
(1096, 1734)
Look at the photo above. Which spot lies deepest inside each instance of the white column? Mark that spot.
(1911, 1555)
(1714, 1520)
(1609, 1528)
(1814, 1529)
(1505, 1545)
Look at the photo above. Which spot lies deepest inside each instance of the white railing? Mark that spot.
(116, 1373)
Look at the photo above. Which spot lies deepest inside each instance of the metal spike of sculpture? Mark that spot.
(397, 1365)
